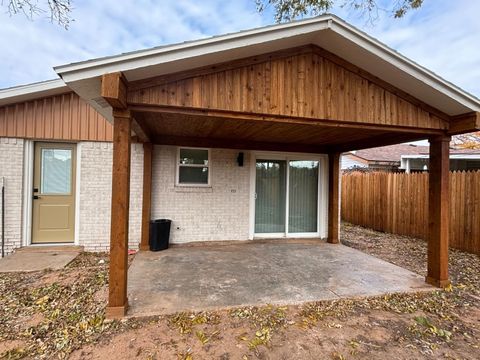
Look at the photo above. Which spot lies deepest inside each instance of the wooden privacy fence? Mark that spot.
(398, 203)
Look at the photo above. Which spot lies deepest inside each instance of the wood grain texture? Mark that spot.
(114, 90)
(311, 84)
(438, 212)
(334, 198)
(398, 203)
(59, 117)
(120, 212)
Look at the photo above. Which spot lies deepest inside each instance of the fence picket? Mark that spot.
(398, 203)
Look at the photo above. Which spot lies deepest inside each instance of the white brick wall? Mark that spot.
(201, 214)
(95, 195)
(11, 168)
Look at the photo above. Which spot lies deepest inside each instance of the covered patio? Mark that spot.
(317, 86)
(277, 272)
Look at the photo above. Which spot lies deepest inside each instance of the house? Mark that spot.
(384, 158)
(464, 155)
(233, 137)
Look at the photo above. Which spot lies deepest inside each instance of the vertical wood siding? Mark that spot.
(60, 117)
(398, 204)
(303, 85)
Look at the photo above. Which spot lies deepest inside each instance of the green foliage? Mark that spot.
(288, 10)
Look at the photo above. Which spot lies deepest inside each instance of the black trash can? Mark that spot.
(159, 234)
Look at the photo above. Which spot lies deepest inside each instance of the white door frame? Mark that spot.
(28, 163)
(322, 212)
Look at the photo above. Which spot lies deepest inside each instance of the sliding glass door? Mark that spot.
(270, 203)
(302, 196)
(286, 197)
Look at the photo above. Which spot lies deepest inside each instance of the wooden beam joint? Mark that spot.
(464, 123)
(114, 90)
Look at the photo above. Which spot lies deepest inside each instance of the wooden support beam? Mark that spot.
(464, 123)
(276, 118)
(114, 90)
(438, 211)
(236, 144)
(117, 297)
(147, 195)
(139, 130)
(377, 141)
(334, 179)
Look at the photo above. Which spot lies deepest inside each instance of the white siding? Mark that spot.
(96, 194)
(219, 212)
(348, 163)
(11, 170)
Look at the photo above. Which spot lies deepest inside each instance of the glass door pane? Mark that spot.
(303, 196)
(270, 188)
(56, 171)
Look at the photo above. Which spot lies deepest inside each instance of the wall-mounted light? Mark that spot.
(240, 159)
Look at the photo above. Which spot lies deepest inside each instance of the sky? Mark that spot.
(443, 35)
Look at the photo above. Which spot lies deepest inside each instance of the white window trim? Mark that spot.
(177, 168)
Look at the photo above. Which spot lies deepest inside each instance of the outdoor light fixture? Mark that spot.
(240, 159)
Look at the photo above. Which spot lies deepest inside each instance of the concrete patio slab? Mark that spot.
(37, 258)
(210, 277)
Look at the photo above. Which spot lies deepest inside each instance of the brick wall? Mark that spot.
(11, 168)
(220, 212)
(95, 195)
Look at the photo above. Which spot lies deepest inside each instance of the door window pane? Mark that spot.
(270, 187)
(193, 175)
(56, 171)
(303, 196)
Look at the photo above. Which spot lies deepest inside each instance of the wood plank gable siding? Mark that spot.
(59, 117)
(310, 83)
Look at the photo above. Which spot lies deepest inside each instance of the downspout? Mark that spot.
(3, 216)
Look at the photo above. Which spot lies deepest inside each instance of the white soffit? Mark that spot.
(32, 91)
(327, 31)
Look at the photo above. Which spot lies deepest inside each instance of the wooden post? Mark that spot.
(334, 198)
(439, 206)
(147, 195)
(117, 297)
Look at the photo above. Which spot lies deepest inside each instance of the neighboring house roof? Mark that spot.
(391, 153)
(349, 161)
(394, 153)
(32, 91)
(326, 31)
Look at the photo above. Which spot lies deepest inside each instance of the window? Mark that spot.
(56, 171)
(193, 167)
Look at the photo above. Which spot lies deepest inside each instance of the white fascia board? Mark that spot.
(404, 64)
(155, 56)
(32, 91)
(452, 156)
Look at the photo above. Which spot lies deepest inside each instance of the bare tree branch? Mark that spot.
(59, 11)
(287, 10)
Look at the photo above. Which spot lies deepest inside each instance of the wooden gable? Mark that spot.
(307, 82)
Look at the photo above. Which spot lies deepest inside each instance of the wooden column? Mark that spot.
(438, 211)
(117, 297)
(147, 195)
(334, 198)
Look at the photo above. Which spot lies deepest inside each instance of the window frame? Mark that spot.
(178, 165)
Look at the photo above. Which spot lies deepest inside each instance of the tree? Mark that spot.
(287, 10)
(59, 11)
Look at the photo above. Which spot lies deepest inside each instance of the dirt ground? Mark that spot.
(60, 314)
